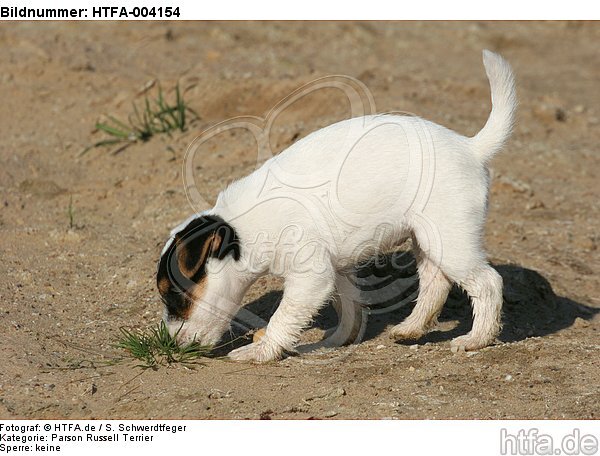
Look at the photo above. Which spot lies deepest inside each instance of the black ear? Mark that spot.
(192, 250)
(225, 242)
(203, 238)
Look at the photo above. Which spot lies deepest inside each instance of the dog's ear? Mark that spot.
(225, 242)
(203, 239)
(192, 251)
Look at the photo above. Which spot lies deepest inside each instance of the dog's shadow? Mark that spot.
(389, 286)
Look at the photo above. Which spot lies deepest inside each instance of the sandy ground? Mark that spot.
(65, 291)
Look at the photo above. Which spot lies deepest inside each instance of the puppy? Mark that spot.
(342, 194)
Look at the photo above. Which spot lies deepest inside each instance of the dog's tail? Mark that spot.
(499, 125)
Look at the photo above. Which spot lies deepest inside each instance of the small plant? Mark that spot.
(155, 117)
(157, 347)
(71, 213)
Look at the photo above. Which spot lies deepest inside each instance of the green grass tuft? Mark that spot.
(71, 213)
(156, 116)
(156, 346)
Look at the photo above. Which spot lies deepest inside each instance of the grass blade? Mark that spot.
(112, 131)
(180, 108)
(120, 124)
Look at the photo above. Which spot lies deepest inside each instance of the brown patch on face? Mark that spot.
(163, 285)
(186, 312)
(195, 294)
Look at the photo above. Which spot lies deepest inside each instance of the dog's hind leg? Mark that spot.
(434, 287)
(461, 258)
(484, 287)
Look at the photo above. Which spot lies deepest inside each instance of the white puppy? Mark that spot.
(342, 194)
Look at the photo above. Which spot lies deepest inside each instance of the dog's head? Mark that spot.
(194, 279)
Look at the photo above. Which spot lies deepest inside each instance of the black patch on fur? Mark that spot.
(190, 243)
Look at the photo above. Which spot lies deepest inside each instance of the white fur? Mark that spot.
(347, 192)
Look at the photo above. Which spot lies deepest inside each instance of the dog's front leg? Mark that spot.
(304, 294)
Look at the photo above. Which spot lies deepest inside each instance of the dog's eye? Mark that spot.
(177, 303)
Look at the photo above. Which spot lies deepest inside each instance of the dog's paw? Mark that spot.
(469, 342)
(256, 352)
(404, 331)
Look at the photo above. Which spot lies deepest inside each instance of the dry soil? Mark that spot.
(70, 278)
